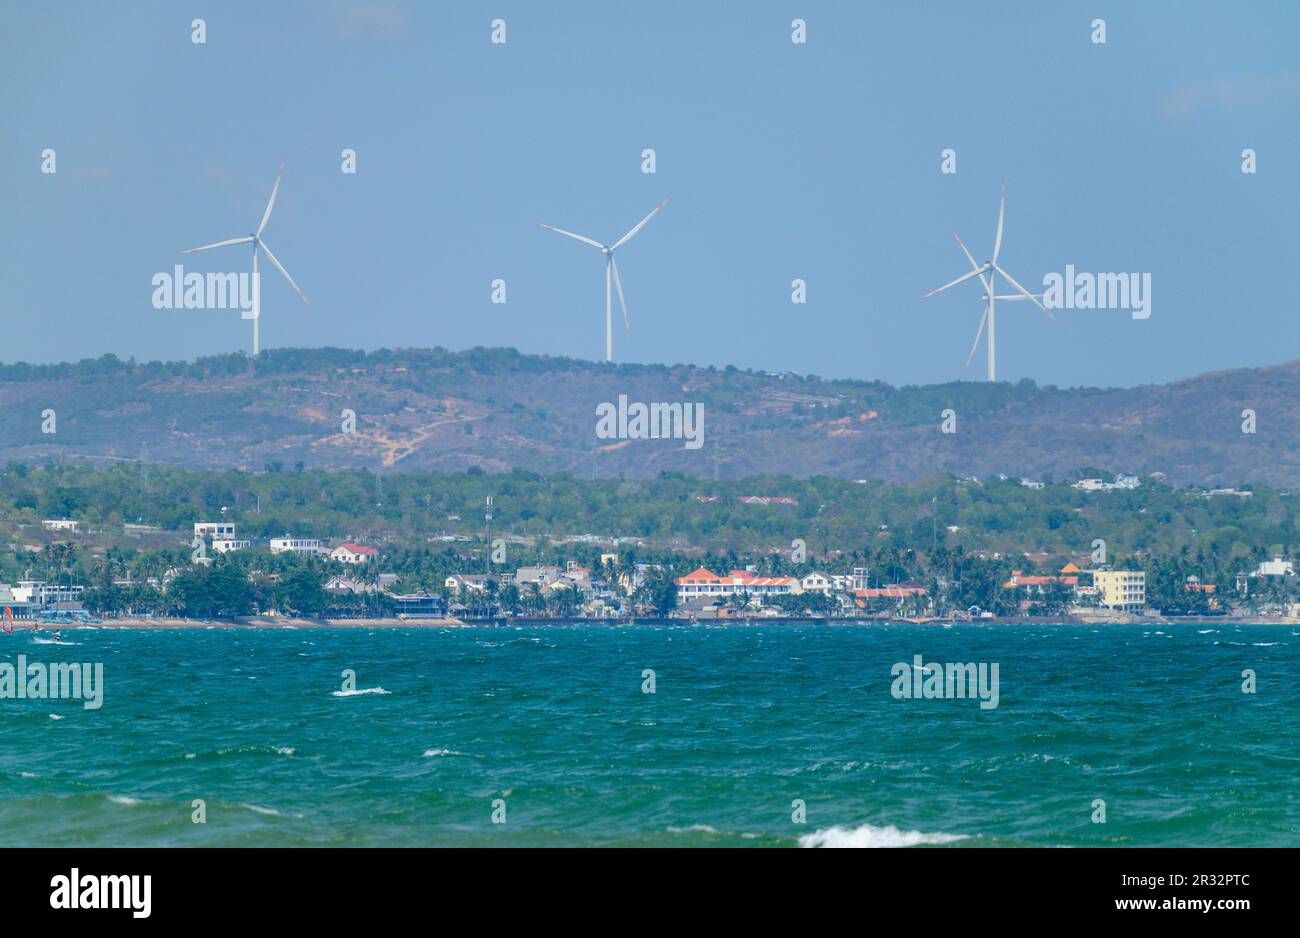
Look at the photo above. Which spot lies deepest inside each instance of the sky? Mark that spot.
(819, 161)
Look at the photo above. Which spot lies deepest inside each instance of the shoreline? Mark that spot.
(290, 623)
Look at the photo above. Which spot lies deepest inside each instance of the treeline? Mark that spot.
(827, 514)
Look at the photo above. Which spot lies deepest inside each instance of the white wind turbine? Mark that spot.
(256, 240)
(611, 272)
(988, 277)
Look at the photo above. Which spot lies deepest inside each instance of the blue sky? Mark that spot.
(818, 161)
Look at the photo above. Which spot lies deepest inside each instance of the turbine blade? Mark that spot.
(570, 234)
(983, 319)
(618, 285)
(266, 216)
(1002, 208)
(964, 277)
(220, 244)
(1029, 296)
(280, 268)
(974, 266)
(639, 225)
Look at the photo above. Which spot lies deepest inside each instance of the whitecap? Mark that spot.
(868, 835)
(430, 753)
(55, 716)
(354, 693)
(267, 811)
(284, 750)
(123, 799)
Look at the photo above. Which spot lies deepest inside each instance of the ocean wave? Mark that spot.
(270, 812)
(123, 799)
(358, 692)
(430, 753)
(868, 835)
(284, 750)
(55, 716)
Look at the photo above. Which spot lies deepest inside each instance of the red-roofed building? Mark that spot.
(353, 553)
(1038, 584)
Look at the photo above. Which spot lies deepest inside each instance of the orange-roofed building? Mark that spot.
(704, 583)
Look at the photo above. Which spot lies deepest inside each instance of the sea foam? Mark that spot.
(868, 835)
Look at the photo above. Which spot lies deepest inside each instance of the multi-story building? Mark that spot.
(40, 594)
(815, 583)
(225, 545)
(704, 583)
(223, 530)
(1121, 589)
(297, 545)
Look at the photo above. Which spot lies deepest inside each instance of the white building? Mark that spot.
(815, 583)
(296, 545)
(215, 529)
(40, 593)
(460, 583)
(60, 524)
(353, 553)
(225, 545)
(1275, 567)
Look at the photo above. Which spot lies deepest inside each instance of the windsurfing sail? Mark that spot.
(9, 621)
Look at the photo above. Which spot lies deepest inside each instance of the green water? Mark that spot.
(550, 726)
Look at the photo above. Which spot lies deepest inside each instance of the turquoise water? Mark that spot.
(744, 721)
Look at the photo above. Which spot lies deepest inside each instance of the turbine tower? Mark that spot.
(988, 278)
(256, 240)
(611, 273)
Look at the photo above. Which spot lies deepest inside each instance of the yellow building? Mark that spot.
(1121, 589)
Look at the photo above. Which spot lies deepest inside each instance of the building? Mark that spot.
(418, 606)
(899, 591)
(225, 530)
(353, 553)
(704, 583)
(460, 583)
(225, 545)
(815, 583)
(1275, 567)
(60, 524)
(41, 595)
(1121, 589)
(543, 576)
(1036, 585)
(296, 545)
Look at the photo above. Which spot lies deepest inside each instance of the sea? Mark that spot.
(691, 736)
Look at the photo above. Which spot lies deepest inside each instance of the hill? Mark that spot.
(497, 409)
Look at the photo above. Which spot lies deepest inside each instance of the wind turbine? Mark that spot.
(611, 270)
(988, 277)
(256, 240)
